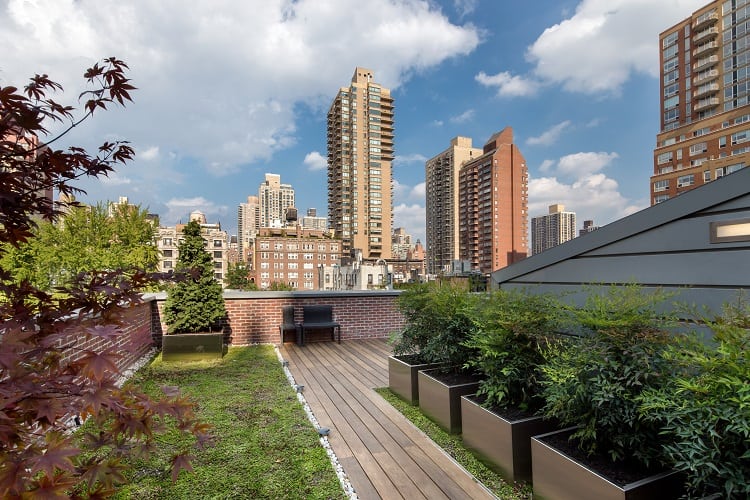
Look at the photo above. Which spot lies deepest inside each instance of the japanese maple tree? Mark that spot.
(43, 390)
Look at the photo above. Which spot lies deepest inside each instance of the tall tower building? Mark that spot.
(360, 152)
(248, 220)
(550, 230)
(441, 183)
(705, 87)
(493, 199)
(274, 198)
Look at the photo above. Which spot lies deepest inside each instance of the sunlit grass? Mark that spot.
(265, 446)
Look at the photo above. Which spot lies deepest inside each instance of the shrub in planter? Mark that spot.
(512, 328)
(594, 381)
(194, 305)
(705, 410)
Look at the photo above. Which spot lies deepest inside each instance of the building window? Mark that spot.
(218, 255)
(218, 276)
(661, 185)
(167, 253)
(664, 158)
(217, 264)
(217, 243)
(686, 180)
(660, 198)
(699, 148)
(167, 242)
(167, 264)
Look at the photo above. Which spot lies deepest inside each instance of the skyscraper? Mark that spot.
(441, 187)
(705, 111)
(248, 222)
(493, 198)
(360, 152)
(550, 230)
(274, 198)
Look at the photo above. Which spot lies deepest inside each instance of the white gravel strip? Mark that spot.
(346, 485)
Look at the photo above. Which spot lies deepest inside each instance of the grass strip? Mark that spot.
(453, 446)
(265, 445)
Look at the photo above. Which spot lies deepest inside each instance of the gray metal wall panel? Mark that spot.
(682, 235)
(726, 268)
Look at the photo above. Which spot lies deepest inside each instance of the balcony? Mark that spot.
(705, 62)
(705, 90)
(705, 20)
(704, 104)
(706, 48)
(706, 34)
(706, 76)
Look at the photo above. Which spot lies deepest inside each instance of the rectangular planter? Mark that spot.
(402, 377)
(559, 477)
(192, 346)
(442, 402)
(504, 444)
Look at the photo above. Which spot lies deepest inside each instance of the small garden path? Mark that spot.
(382, 453)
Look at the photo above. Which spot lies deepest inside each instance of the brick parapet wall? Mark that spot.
(134, 341)
(254, 317)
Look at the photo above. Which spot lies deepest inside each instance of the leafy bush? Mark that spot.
(594, 380)
(705, 410)
(196, 303)
(439, 321)
(513, 327)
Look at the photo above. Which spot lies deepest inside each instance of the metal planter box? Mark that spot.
(402, 377)
(560, 477)
(504, 444)
(192, 346)
(442, 402)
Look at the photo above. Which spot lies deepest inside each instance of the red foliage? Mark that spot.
(40, 393)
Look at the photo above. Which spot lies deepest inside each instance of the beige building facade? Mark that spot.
(705, 99)
(441, 203)
(548, 231)
(360, 152)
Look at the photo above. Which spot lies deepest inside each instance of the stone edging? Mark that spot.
(346, 485)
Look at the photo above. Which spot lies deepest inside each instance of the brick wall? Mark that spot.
(254, 317)
(134, 342)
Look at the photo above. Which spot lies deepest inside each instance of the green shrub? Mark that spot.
(439, 320)
(705, 411)
(594, 380)
(195, 303)
(513, 327)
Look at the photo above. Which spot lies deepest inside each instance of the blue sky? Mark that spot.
(231, 90)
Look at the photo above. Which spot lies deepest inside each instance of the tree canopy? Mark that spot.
(42, 391)
(85, 239)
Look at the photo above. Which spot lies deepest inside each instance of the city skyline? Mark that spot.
(222, 100)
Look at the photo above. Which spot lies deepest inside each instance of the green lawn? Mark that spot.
(265, 445)
(453, 445)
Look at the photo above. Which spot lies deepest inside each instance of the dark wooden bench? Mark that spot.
(318, 318)
(288, 324)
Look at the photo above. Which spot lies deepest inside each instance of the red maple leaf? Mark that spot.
(180, 462)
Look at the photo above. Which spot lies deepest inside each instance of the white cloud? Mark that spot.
(437, 123)
(592, 196)
(419, 191)
(465, 7)
(549, 136)
(507, 84)
(411, 158)
(604, 42)
(595, 122)
(198, 69)
(464, 117)
(150, 153)
(411, 217)
(580, 164)
(178, 209)
(315, 161)
(547, 165)
(115, 179)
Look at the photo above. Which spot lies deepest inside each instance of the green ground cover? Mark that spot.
(265, 445)
(453, 445)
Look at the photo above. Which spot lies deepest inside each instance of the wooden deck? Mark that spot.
(382, 453)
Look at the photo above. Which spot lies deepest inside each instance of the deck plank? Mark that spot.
(382, 453)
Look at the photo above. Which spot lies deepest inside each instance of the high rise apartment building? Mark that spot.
(441, 187)
(548, 231)
(493, 199)
(705, 92)
(360, 152)
(248, 222)
(312, 221)
(274, 198)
